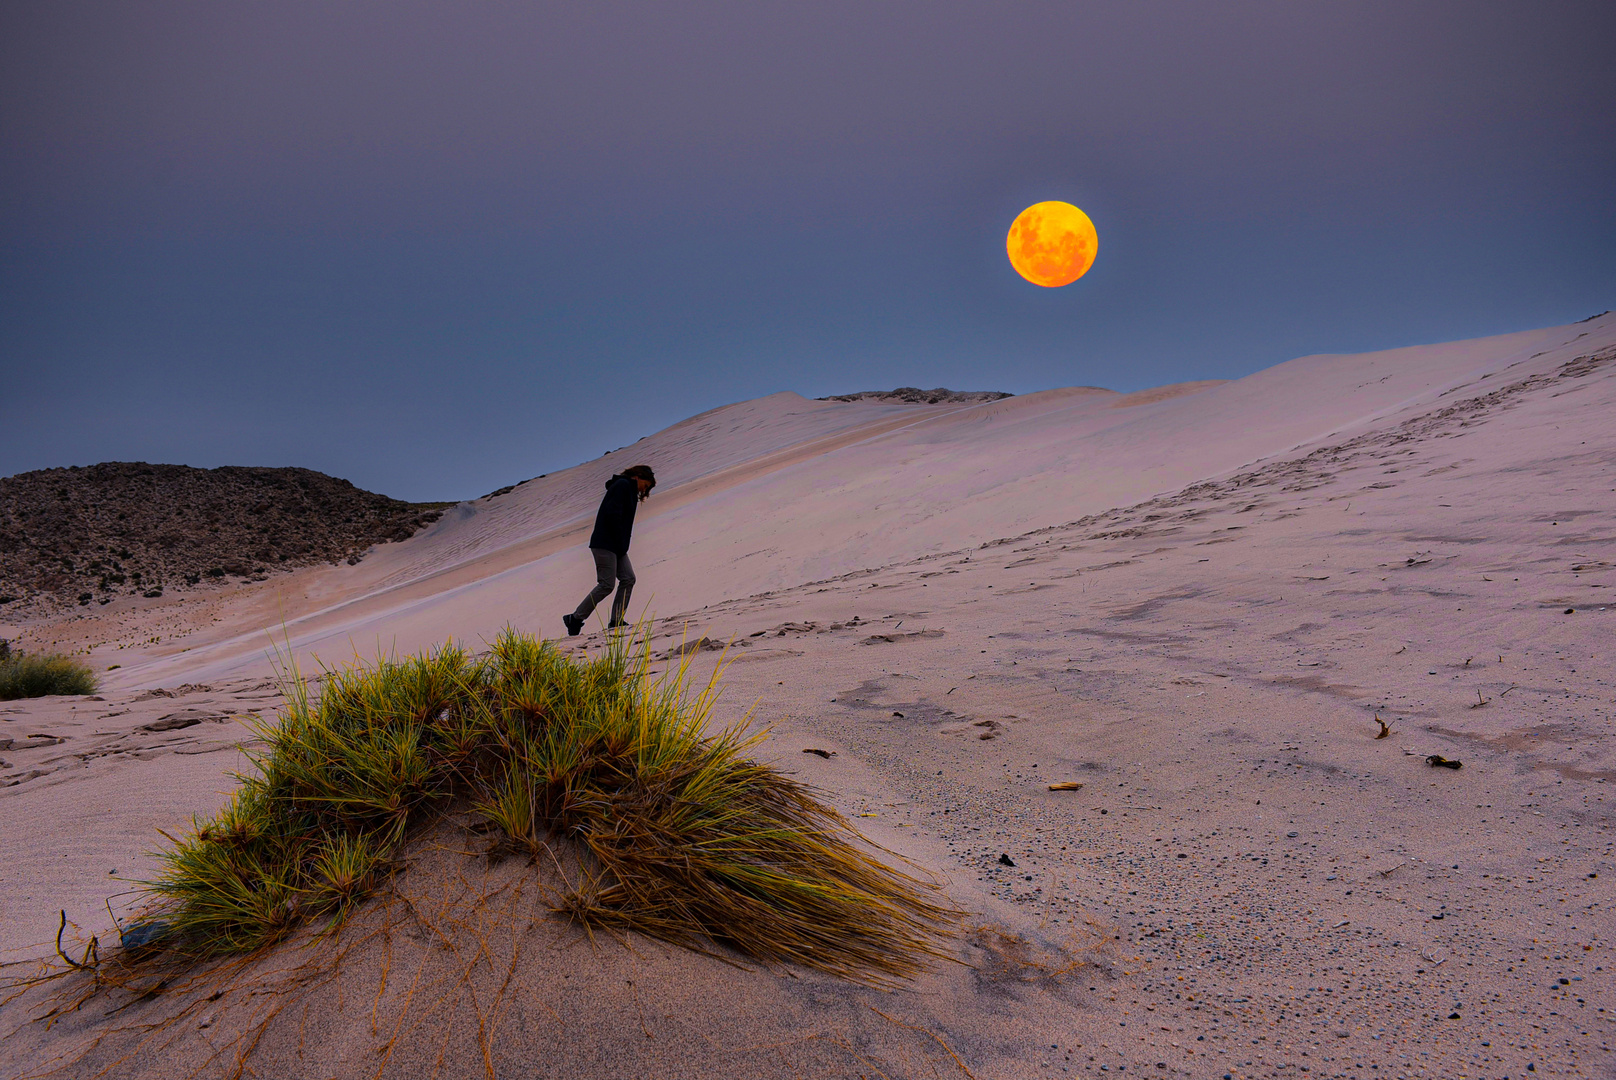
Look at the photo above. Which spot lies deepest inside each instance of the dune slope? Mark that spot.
(1194, 607)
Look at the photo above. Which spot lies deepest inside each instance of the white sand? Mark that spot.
(1192, 602)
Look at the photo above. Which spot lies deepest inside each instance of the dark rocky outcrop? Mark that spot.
(87, 534)
(915, 396)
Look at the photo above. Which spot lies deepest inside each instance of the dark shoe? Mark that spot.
(618, 625)
(573, 623)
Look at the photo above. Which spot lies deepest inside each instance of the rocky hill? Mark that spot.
(916, 396)
(83, 535)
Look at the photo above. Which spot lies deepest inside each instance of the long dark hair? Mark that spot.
(641, 472)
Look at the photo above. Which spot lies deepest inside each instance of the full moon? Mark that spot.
(1052, 244)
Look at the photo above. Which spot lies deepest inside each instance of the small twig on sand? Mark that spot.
(1388, 871)
(1511, 687)
(1385, 728)
(91, 957)
(1480, 701)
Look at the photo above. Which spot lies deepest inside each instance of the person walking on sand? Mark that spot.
(609, 545)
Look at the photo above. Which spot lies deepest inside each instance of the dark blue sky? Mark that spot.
(437, 248)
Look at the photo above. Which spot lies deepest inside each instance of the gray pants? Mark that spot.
(610, 568)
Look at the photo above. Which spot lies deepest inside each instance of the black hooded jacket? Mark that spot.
(615, 519)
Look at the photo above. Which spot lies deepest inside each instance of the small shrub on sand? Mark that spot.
(26, 675)
(680, 835)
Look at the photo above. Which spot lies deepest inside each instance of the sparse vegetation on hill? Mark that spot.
(677, 833)
(915, 396)
(28, 675)
(87, 534)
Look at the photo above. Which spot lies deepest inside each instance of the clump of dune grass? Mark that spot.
(27, 675)
(678, 833)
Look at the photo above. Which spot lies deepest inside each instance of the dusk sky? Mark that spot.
(439, 248)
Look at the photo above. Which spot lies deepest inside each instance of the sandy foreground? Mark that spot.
(1194, 602)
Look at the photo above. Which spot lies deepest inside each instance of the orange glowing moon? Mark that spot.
(1052, 244)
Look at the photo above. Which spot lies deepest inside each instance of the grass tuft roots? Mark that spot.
(680, 835)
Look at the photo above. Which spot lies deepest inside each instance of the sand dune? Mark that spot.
(957, 477)
(1191, 602)
(766, 494)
